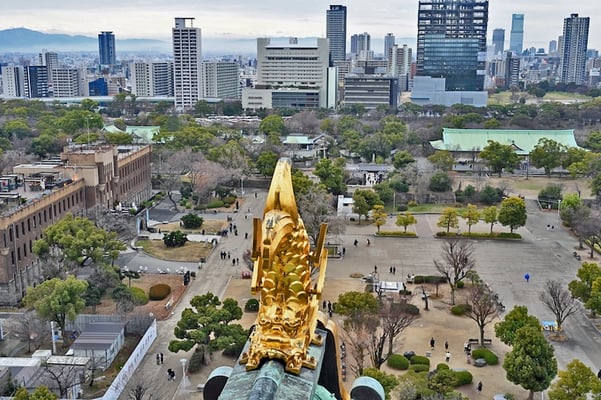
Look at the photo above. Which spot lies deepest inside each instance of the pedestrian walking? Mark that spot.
(446, 345)
(393, 270)
(169, 373)
(161, 358)
(324, 304)
(432, 343)
(245, 235)
(355, 243)
(527, 277)
(390, 269)
(329, 307)
(255, 195)
(158, 358)
(368, 242)
(479, 387)
(237, 261)
(343, 251)
(447, 356)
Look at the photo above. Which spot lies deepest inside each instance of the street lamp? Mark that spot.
(559, 210)
(183, 361)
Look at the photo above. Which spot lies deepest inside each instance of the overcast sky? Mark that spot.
(270, 18)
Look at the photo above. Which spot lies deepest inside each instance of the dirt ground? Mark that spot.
(437, 323)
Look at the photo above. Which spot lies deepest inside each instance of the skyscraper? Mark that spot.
(336, 32)
(187, 64)
(516, 40)
(106, 48)
(498, 40)
(552, 47)
(451, 42)
(573, 53)
(389, 40)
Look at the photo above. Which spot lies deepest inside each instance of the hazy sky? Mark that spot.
(269, 18)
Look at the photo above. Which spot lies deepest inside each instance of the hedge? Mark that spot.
(490, 357)
(442, 366)
(481, 235)
(460, 309)
(397, 361)
(159, 292)
(397, 234)
(140, 298)
(252, 305)
(462, 378)
(419, 368)
(418, 279)
(421, 360)
(460, 285)
(215, 204)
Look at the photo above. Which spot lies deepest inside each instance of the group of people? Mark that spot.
(467, 348)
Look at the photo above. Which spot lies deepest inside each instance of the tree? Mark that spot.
(315, 207)
(514, 320)
(458, 261)
(547, 154)
(395, 317)
(570, 205)
(388, 381)
(266, 162)
(192, 221)
(40, 393)
(401, 159)
(272, 124)
(207, 325)
(360, 206)
(175, 239)
(442, 382)
(471, 216)
(587, 224)
(440, 182)
(57, 300)
(405, 220)
(483, 307)
(499, 156)
(442, 160)
(379, 216)
(489, 215)
(331, 174)
(350, 303)
(594, 301)
(582, 288)
(531, 364)
(559, 301)
(77, 239)
(448, 219)
(513, 213)
(575, 383)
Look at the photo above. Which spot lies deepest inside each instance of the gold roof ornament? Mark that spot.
(284, 267)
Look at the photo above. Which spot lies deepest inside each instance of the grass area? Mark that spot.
(210, 226)
(564, 96)
(434, 208)
(190, 252)
(505, 97)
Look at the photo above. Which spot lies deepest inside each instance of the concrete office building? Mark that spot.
(361, 46)
(399, 65)
(106, 49)
(498, 41)
(451, 42)
(290, 75)
(50, 60)
(221, 80)
(516, 38)
(371, 91)
(36, 81)
(151, 79)
(573, 53)
(552, 47)
(336, 32)
(187, 56)
(13, 81)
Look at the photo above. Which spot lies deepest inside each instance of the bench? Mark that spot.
(487, 341)
(473, 341)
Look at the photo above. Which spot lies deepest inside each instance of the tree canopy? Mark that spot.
(515, 319)
(499, 157)
(513, 213)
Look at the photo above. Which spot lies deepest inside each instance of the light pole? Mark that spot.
(242, 184)
(559, 210)
(183, 361)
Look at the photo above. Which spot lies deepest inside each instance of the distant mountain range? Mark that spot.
(25, 40)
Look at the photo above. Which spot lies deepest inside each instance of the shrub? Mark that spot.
(192, 221)
(550, 194)
(442, 366)
(435, 279)
(440, 182)
(421, 360)
(159, 292)
(460, 309)
(408, 308)
(140, 298)
(490, 195)
(462, 378)
(412, 203)
(215, 204)
(196, 361)
(490, 357)
(460, 285)
(398, 361)
(175, 239)
(419, 368)
(405, 292)
(417, 279)
(252, 305)
(402, 207)
(229, 200)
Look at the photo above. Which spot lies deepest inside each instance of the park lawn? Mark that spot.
(210, 226)
(190, 252)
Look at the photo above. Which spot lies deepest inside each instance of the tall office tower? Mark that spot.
(221, 79)
(399, 65)
(573, 54)
(336, 32)
(187, 56)
(552, 47)
(13, 81)
(516, 40)
(354, 40)
(389, 41)
(66, 82)
(50, 60)
(106, 48)
(162, 79)
(451, 42)
(512, 70)
(363, 46)
(36, 81)
(498, 40)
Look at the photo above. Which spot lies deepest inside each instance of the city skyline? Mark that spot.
(232, 20)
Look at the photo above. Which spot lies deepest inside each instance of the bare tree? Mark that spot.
(458, 261)
(316, 208)
(395, 317)
(63, 377)
(138, 392)
(359, 332)
(483, 307)
(28, 327)
(559, 300)
(588, 228)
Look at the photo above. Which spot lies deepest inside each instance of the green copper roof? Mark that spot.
(464, 140)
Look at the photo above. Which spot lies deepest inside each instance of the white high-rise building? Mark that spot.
(573, 50)
(151, 79)
(13, 81)
(221, 79)
(66, 82)
(399, 65)
(187, 56)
